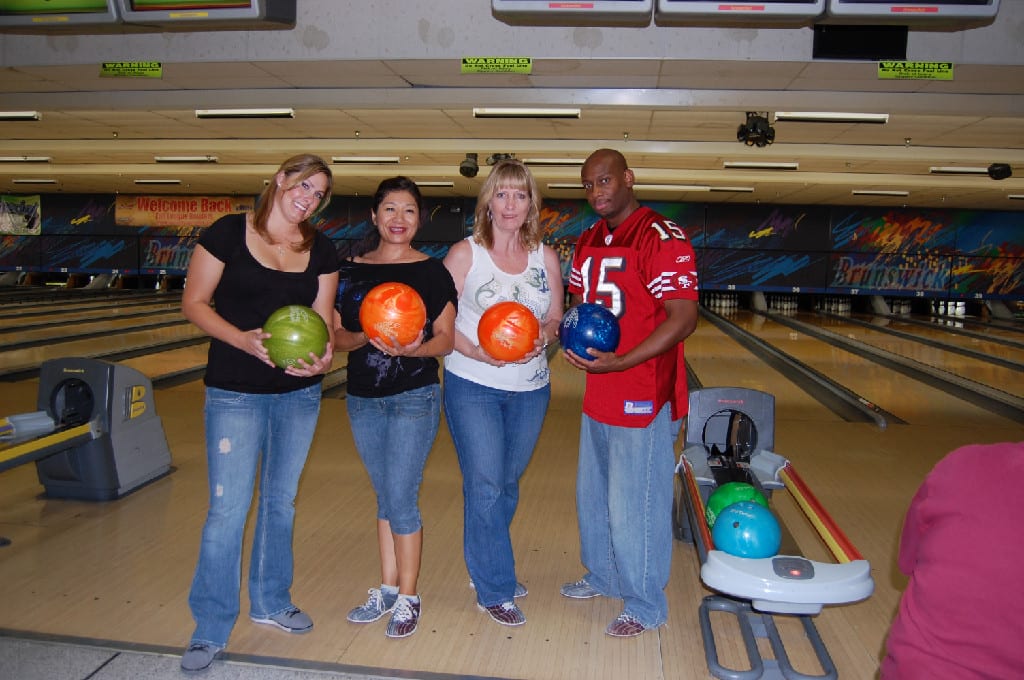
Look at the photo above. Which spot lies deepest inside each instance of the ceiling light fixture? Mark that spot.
(24, 159)
(245, 113)
(955, 170)
(553, 161)
(525, 113)
(760, 165)
(20, 115)
(1015, 197)
(739, 190)
(34, 181)
(672, 187)
(879, 192)
(185, 159)
(448, 185)
(365, 159)
(158, 181)
(564, 185)
(755, 130)
(830, 117)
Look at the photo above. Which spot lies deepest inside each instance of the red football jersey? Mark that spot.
(631, 271)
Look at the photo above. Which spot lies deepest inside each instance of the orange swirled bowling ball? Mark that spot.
(508, 330)
(393, 312)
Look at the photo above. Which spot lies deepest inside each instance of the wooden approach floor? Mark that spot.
(120, 571)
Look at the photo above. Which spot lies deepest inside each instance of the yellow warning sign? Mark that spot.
(522, 65)
(915, 70)
(132, 69)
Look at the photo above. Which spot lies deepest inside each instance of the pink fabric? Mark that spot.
(962, 614)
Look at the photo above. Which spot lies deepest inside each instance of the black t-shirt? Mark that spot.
(371, 373)
(246, 295)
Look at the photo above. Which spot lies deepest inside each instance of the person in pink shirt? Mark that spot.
(962, 546)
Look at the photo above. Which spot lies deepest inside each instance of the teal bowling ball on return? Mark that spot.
(747, 529)
(295, 331)
(589, 325)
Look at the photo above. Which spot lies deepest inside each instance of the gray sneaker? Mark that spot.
(291, 620)
(198, 656)
(520, 590)
(580, 590)
(377, 605)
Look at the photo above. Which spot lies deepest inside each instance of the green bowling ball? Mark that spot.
(729, 493)
(295, 331)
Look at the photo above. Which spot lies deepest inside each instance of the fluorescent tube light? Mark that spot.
(20, 115)
(436, 184)
(24, 159)
(1015, 197)
(760, 165)
(740, 190)
(563, 185)
(364, 159)
(525, 113)
(35, 181)
(879, 192)
(954, 170)
(831, 117)
(672, 187)
(185, 159)
(245, 113)
(158, 181)
(553, 161)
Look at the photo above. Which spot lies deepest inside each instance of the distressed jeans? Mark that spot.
(247, 432)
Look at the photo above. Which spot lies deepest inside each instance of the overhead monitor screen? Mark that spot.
(588, 13)
(913, 12)
(683, 12)
(212, 15)
(58, 16)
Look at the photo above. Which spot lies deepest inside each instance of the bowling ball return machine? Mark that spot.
(96, 435)
(729, 436)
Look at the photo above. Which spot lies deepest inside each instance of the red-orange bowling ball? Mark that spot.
(393, 312)
(508, 331)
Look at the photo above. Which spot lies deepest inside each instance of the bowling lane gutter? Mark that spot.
(63, 323)
(931, 342)
(981, 395)
(839, 399)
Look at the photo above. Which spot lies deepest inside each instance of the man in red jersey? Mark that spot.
(640, 266)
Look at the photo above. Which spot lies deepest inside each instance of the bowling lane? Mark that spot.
(172, 361)
(1009, 336)
(902, 396)
(76, 313)
(30, 357)
(111, 324)
(720, 361)
(978, 370)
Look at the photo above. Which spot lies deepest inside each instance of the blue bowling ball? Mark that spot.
(348, 301)
(589, 325)
(747, 529)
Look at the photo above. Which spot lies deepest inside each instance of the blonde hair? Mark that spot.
(296, 169)
(508, 173)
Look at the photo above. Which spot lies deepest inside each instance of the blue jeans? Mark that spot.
(494, 432)
(245, 431)
(393, 436)
(624, 487)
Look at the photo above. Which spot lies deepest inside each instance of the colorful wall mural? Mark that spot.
(954, 254)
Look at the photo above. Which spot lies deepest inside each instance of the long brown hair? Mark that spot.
(296, 169)
(508, 173)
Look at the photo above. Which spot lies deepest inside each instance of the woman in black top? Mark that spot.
(257, 416)
(394, 395)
